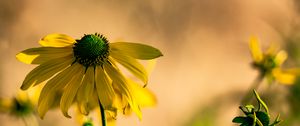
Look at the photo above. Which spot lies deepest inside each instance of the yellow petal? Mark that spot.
(45, 71)
(57, 40)
(22, 96)
(49, 93)
(82, 106)
(255, 49)
(110, 119)
(110, 115)
(150, 65)
(42, 54)
(135, 50)
(121, 83)
(132, 65)
(104, 88)
(120, 100)
(6, 104)
(86, 90)
(34, 93)
(111, 122)
(284, 77)
(143, 96)
(80, 118)
(280, 57)
(71, 89)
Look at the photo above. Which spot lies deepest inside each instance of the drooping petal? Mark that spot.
(71, 89)
(120, 100)
(48, 94)
(143, 96)
(150, 66)
(46, 71)
(135, 50)
(42, 54)
(82, 119)
(104, 88)
(57, 40)
(86, 90)
(255, 50)
(132, 65)
(286, 76)
(34, 93)
(83, 107)
(121, 83)
(280, 57)
(109, 115)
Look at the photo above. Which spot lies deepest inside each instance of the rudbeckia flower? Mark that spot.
(20, 106)
(144, 98)
(84, 70)
(269, 64)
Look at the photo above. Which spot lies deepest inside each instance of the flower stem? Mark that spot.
(103, 118)
(255, 85)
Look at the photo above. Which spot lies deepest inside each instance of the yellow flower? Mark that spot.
(84, 70)
(269, 63)
(144, 98)
(20, 106)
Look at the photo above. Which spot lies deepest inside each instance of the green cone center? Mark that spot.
(91, 50)
(21, 108)
(267, 65)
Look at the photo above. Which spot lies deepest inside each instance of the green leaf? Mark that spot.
(263, 118)
(240, 119)
(246, 121)
(246, 124)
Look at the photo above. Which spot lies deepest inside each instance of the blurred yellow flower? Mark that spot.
(20, 106)
(85, 70)
(269, 63)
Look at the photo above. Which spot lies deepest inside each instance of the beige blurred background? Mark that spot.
(204, 42)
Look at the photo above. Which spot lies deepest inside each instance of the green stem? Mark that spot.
(103, 118)
(255, 85)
